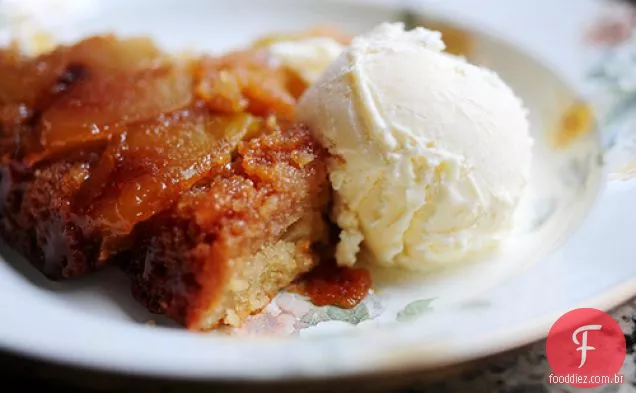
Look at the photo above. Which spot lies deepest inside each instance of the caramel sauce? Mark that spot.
(576, 122)
(332, 285)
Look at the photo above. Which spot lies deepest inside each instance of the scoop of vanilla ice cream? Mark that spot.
(307, 57)
(430, 154)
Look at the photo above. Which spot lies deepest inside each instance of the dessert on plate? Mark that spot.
(214, 182)
(192, 174)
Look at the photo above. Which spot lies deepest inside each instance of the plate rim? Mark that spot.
(415, 359)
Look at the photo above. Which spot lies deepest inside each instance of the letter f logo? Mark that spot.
(584, 347)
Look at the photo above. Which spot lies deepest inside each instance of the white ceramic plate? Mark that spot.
(573, 246)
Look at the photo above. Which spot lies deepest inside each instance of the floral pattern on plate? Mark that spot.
(612, 84)
(289, 313)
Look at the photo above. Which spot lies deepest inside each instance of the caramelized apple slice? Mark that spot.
(32, 81)
(92, 108)
(266, 92)
(244, 79)
(150, 164)
(110, 54)
(23, 80)
(221, 92)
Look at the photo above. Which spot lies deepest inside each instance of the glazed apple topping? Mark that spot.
(158, 124)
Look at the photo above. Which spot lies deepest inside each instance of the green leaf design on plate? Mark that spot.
(354, 316)
(315, 316)
(625, 106)
(331, 313)
(597, 73)
(338, 314)
(414, 310)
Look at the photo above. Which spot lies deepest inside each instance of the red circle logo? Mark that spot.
(586, 348)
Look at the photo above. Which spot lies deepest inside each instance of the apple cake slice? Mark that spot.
(191, 175)
(229, 245)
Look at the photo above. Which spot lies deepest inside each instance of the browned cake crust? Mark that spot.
(189, 174)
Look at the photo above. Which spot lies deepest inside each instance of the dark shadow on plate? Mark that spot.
(109, 283)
